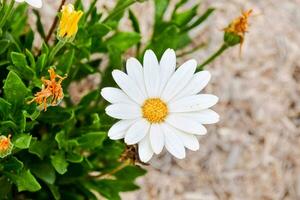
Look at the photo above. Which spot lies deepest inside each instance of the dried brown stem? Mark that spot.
(52, 28)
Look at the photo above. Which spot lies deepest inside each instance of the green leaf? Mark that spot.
(160, 9)
(66, 61)
(88, 99)
(24, 180)
(40, 148)
(130, 173)
(167, 39)
(60, 138)
(41, 63)
(179, 4)
(14, 90)
(55, 115)
(22, 141)
(4, 108)
(183, 18)
(55, 191)
(59, 162)
(200, 19)
(12, 164)
(44, 171)
(30, 58)
(6, 186)
(134, 21)
(124, 40)
(91, 140)
(18, 59)
(4, 44)
(98, 30)
(74, 158)
(39, 25)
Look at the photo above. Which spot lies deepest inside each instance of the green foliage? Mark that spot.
(56, 151)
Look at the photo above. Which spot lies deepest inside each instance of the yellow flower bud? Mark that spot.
(68, 26)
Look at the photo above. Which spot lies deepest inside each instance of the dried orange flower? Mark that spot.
(239, 26)
(6, 146)
(51, 93)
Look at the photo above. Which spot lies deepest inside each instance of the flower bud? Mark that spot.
(68, 26)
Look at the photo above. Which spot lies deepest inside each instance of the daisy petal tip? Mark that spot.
(207, 74)
(170, 51)
(145, 158)
(181, 156)
(193, 62)
(149, 51)
(130, 140)
(216, 99)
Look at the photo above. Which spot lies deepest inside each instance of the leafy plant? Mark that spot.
(62, 151)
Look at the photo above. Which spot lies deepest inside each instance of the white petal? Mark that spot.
(167, 67)
(123, 111)
(189, 141)
(157, 139)
(118, 130)
(145, 150)
(179, 80)
(198, 82)
(137, 132)
(151, 74)
(172, 142)
(115, 95)
(128, 86)
(188, 125)
(193, 103)
(207, 116)
(35, 3)
(136, 73)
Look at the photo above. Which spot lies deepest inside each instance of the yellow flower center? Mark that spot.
(155, 110)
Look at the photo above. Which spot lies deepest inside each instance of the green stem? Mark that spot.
(196, 48)
(117, 10)
(90, 9)
(106, 175)
(55, 50)
(212, 57)
(7, 13)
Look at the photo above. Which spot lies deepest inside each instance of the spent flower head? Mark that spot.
(68, 25)
(51, 93)
(235, 32)
(6, 146)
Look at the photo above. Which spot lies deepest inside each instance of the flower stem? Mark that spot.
(55, 50)
(117, 10)
(7, 12)
(213, 57)
(52, 28)
(119, 168)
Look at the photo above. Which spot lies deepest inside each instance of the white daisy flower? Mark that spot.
(159, 107)
(33, 3)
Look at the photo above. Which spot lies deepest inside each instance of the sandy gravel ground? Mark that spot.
(254, 152)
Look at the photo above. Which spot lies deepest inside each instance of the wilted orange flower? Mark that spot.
(240, 25)
(51, 93)
(6, 146)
